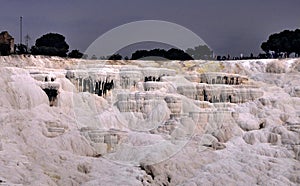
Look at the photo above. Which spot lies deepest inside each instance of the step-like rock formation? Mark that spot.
(103, 141)
(177, 122)
(47, 82)
(222, 78)
(141, 93)
(219, 93)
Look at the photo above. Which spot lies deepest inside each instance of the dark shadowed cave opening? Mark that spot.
(52, 95)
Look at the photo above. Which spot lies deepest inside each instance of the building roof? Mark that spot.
(5, 37)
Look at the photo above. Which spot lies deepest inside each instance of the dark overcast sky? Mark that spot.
(227, 26)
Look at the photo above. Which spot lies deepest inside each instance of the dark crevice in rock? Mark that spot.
(262, 125)
(169, 179)
(99, 87)
(52, 95)
(147, 170)
(152, 78)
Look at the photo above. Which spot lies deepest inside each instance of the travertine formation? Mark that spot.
(84, 122)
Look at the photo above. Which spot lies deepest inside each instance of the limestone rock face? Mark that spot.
(19, 90)
(296, 91)
(174, 104)
(85, 122)
(276, 67)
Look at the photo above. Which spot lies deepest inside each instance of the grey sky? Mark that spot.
(227, 26)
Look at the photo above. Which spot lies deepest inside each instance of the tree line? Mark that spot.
(53, 44)
(283, 43)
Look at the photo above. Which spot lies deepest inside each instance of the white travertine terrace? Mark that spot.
(66, 121)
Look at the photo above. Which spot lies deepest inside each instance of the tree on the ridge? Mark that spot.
(21, 49)
(177, 54)
(200, 52)
(51, 44)
(171, 54)
(115, 57)
(296, 42)
(75, 54)
(139, 54)
(286, 41)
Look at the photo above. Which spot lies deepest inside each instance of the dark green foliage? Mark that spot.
(200, 52)
(21, 49)
(115, 57)
(172, 54)
(51, 44)
(177, 54)
(296, 41)
(75, 54)
(286, 41)
(139, 54)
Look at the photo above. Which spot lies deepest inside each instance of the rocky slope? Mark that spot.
(85, 122)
